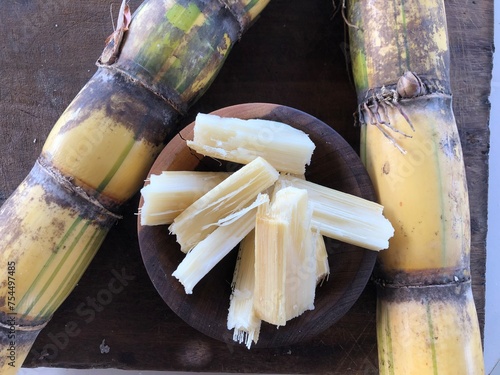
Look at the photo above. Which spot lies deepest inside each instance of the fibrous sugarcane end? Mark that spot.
(187, 288)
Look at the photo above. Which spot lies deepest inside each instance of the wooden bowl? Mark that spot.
(334, 164)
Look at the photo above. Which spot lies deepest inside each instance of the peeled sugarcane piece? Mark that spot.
(322, 265)
(285, 258)
(101, 148)
(287, 149)
(241, 316)
(231, 195)
(171, 192)
(208, 252)
(426, 318)
(343, 216)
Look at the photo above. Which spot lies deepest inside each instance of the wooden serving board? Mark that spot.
(296, 54)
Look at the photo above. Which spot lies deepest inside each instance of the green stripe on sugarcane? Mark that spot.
(57, 268)
(116, 166)
(251, 4)
(360, 73)
(74, 274)
(404, 62)
(172, 70)
(385, 341)
(183, 17)
(407, 64)
(432, 337)
(29, 291)
(171, 39)
(444, 230)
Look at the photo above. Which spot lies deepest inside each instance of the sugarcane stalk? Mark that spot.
(155, 66)
(426, 318)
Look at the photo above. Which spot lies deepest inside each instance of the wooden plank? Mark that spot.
(294, 55)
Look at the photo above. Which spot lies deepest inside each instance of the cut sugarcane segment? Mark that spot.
(241, 316)
(344, 217)
(171, 192)
(234, 193)
(287, 149)
(285, 262)
(322, 265)
(208, 252)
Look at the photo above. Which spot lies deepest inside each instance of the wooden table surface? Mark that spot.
(294, 55)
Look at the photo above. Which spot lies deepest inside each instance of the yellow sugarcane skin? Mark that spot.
(12, 369)
(89, 151)
(423, 192)
(422, 185)
(49, 236)
(60, 245)
(419, 337)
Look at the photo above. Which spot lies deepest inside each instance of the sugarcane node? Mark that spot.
(239, 15)
(410, 86)
(22, 327)
(375, 109)
(177, 105)
(419, 279)
(65, 186)
(423, 292)
(68, 185)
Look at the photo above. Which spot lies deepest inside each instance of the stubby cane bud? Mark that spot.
(409, 85)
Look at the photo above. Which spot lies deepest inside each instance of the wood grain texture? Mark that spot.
(294, 55)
